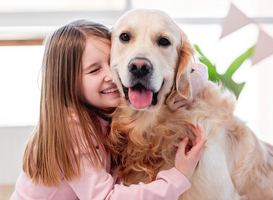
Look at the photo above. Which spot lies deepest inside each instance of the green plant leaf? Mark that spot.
(239, 61)
(226, 78)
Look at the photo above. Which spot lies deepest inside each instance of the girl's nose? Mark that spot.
(108, 75)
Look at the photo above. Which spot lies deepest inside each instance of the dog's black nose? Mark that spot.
(140, 67)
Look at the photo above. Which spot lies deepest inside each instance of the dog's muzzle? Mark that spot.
(141, 93)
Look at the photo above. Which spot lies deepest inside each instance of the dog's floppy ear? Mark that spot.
(182, 84)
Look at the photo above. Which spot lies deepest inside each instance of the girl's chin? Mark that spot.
(113, 102)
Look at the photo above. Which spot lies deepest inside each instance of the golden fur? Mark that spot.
(235, 164)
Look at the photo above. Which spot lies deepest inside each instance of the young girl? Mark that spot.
(68, 154)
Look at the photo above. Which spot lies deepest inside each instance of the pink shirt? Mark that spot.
(98, 185)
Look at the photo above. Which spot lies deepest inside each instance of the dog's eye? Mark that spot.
(163, 42)
(124, 37)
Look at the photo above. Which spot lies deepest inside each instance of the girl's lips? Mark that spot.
(111, 89)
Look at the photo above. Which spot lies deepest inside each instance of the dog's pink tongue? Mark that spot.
(140, 98)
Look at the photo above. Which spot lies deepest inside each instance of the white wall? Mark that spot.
(12, 145)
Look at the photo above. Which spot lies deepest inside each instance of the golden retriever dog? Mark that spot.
(151, 59)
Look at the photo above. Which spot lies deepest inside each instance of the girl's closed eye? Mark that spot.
(94, 70)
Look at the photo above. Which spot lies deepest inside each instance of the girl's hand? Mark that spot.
(186, 161)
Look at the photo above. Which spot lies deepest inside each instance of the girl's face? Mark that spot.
(97, 88)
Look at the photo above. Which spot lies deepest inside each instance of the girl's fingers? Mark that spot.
(195, 132)
(193, 129)
(202, 133)
(200, 138)
(200, 144)
(182, 146)
(199, 132)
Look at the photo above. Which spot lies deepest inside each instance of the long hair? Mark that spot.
(54, 146)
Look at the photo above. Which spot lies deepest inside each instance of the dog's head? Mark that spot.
(150, 58)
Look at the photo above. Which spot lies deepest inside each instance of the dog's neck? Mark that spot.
(141, 135)
(139, 125)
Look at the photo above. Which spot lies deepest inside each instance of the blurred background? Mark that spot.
(224, 31)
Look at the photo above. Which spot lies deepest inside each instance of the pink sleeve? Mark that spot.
(170, 184)
(203, 69)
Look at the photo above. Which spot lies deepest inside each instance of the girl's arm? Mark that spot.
(169, 184)
(198, 79)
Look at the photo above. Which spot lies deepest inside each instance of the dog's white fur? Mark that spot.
(234, 164)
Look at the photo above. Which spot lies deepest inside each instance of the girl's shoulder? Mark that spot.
(76, 132)
(73, 120)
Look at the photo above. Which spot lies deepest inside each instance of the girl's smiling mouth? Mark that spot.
(111, 89)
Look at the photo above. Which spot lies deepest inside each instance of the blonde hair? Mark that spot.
(52, 146)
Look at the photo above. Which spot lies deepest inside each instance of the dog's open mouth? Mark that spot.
(139, 96)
